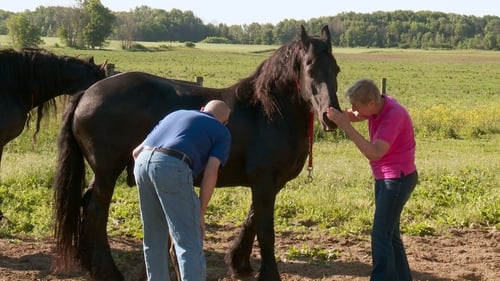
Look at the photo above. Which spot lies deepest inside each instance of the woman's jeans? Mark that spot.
(388, 253)
(169, 206)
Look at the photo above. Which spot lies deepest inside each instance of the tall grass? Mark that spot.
(453, 97)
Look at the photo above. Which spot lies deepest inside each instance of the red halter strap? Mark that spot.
(310, 136)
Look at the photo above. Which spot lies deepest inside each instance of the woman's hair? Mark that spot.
(363, 91)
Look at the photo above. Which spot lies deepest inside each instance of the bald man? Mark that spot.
(182, 146)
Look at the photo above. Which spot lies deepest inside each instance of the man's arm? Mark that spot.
(207, 186)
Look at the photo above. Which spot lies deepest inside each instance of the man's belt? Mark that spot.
(172, 152)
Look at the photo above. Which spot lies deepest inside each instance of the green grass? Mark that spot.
(453, 97)
(338, 201)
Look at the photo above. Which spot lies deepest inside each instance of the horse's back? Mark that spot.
(140, 90)
(115, 114)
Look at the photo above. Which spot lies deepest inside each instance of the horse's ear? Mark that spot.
(304, 37)
(91, 59)
(104, 65)
(325, 35)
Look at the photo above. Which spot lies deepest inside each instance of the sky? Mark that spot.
(273, 11)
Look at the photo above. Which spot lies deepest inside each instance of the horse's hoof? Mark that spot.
(242, 275)
(244, 278)
(248, 278)
(268, 277)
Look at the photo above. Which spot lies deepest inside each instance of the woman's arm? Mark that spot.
(372, 151)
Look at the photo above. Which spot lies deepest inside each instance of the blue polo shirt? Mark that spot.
(198, 134)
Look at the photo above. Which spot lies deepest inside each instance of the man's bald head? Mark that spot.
(219, 109)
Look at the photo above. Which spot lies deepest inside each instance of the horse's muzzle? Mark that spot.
(328, 125)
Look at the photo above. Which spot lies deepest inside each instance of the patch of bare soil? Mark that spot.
(463, 254)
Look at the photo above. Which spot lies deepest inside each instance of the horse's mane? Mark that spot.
(32, 73)
(29, 72)
(272, 76)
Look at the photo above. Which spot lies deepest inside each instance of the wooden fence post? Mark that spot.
(199, 80)
(110, 69)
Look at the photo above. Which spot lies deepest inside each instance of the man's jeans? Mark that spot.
(388, 253)
(169, 205)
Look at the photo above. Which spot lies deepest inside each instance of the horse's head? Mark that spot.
(317, 70)
(78, 74)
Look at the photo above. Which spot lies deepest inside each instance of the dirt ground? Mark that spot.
(459, 255)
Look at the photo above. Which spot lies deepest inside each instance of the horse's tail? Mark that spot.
(68, 185)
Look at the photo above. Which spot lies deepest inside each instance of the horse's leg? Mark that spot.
(238, 256)
(260, 222)
(1, 151)
(94, 251)
(263, 200)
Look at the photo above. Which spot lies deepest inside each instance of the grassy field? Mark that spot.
(453, 96)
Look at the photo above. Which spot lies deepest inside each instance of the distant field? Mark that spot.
(453, 96)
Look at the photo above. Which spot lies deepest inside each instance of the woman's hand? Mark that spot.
(341, 118)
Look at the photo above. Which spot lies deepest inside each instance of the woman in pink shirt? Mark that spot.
(391, 152)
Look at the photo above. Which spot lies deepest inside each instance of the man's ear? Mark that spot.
(202, 108)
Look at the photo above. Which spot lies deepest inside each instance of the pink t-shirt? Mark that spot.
(393, 125)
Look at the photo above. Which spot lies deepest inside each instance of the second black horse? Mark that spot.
(269, 127)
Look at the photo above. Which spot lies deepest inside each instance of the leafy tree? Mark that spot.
(490, 41)
(89, 25)
(45, 18)
(71, 22)
(99, 23)
(4, 15)
(184, 26)
(287, 30)
(266, 34)
(150, 24)
(125, 29)
(253, 31)
(22, 32)
(236, 34)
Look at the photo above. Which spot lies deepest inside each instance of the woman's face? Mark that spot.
(365, 110)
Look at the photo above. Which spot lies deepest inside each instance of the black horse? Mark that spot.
(32, 78)
(269, 127)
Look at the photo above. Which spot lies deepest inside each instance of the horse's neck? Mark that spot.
(32, 94)
(207, 94)
(34, 100)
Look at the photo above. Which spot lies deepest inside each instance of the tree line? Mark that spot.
(90, 24)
